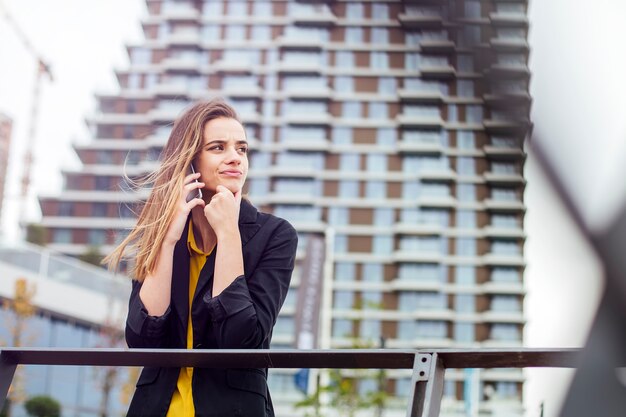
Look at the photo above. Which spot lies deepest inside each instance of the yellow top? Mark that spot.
(182, 400)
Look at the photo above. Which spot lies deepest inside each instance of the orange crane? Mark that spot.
(43, 69)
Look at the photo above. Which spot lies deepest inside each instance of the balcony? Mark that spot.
(325, 18)
(180, 14)
(507, 99)
(243, 91)
(300, 44)
(519, 127)
(492, 316)
(494, 178)
(495, 152)
(436, 72)
(437, 46)
(227, 66)
(184, 38)
(509, 19)
(404, 255)
(496, 259)
(504, 205)
(504, 232)
(291, 67)
(169, 90)
(323, 93)
(509, 45)
(308, 119)
(422, 21)
(417, 229)
(492, 287)
(425, 148)
(426, 97)
(426, 122)
(182, 64)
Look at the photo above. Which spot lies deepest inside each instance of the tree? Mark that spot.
(36, 233)
(42, 406)
(23, 309)
(91, 256)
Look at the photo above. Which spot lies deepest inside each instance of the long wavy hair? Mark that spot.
(184, 143)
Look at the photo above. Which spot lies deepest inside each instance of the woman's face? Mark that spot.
(223, 159)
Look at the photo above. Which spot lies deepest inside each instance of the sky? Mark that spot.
(579, 97)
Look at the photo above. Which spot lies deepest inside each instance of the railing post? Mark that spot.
(427, 386)
(7, 371)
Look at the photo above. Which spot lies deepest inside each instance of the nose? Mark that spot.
(232, 156)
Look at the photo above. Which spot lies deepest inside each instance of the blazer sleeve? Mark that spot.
(143, 330)
(245, 312)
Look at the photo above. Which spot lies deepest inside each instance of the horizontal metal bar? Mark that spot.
(291, 358)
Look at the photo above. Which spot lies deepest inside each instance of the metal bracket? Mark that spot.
(427, 386)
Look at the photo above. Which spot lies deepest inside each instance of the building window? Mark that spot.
(505, 275)
(379, 35)
(345, 271)
(369, 330)
(465, 139)
(382, 245)
(262, 8)
(505, 168)
(303, 107)
(301, 187)
(371, 300)
(62, 236)
(472, 9)
(509, 221)
(425, 137)
(466, 246)
(372, 272)
(422, 272)
(353, 34)
(425, 244)
(96, 237)
(378, 110)
(418, 84)
(466, 192)
(431, 329)
(376, 162)
(212, 8)
(453, 113)
(504, 194)
(354, 10)
(412, 61)
(338, 216)
(465, 63)
(100, 209)
(298, 213)
(261, 33)
(344, 59)
(464, 332)
(465, 303)
(237, 8)
(349, 162)
(435, 189)
(466, 166)
(504, 142)
(387, 85)
(306, 33)
(380, 11)
(343, 300)
(421, 111)
(465, 275)
(376, 189)
(506, 303)
(386, 136)
(342, 328)
(259, 186)
(465, 88)
(505, 247)
(351, 109)
(434, 217)
(341, 243)
(348, 189)
(342, 135)
(302, 82)
(379, 60)
(466, 219)
(505, 332)
(344, 84)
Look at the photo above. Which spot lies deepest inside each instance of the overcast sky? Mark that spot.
(579, 96)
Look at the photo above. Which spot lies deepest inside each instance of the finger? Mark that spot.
(221, 189)
(191, 177)
(193, 186)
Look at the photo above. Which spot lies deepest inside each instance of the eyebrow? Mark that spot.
(221, 141)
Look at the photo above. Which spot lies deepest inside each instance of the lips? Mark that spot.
(231, 173)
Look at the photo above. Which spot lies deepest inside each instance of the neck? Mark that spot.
(202, 230)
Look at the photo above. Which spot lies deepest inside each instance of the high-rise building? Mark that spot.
(396, 127)
(6, 126)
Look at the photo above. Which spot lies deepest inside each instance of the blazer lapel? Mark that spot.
(247, 228)
(180, 281)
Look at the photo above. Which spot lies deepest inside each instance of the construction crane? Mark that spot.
(42, 70)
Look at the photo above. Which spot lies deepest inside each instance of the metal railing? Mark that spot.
(426, 384)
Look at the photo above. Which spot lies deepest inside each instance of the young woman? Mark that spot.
(210, 272)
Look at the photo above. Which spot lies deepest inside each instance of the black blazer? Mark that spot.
(241, 317)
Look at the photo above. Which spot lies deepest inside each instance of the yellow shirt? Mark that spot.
(182, 400)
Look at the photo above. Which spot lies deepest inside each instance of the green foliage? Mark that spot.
(42, 406)
(36, 233)
(91, 256)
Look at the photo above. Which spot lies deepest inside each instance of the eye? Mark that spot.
(216, 148)
(243, 149)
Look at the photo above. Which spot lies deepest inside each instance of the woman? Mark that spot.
(209, 273)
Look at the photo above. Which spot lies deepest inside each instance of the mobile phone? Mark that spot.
(198, 192)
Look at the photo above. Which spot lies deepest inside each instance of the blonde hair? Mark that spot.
(184, 143)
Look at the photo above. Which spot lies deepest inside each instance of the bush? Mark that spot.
(42, 406)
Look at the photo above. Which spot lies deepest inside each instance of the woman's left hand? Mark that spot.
(222, 212)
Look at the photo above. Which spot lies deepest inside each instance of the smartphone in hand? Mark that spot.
(196, 193)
